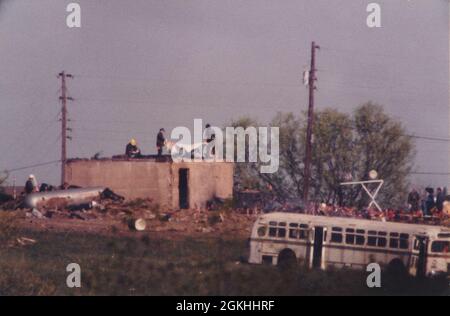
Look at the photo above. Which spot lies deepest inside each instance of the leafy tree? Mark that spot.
(345, 147)
(382, 145)
(333, 157)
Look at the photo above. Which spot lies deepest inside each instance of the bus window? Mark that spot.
(275, 231)
(382, 242)
(394, 240)
(262, 231)
(298, 233)
(404, 241)
(399, 241)
(350, 236)
(376, 240)
(360, 237)
(440, 246)
(293, 233)
(303, 232)
(293, 230)
(336, 235)
(372, 238)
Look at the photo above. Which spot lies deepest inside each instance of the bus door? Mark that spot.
(419, 256)
(317, 246)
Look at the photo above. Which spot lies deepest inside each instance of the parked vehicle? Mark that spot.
(324, 242)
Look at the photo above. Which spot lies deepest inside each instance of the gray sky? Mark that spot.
(144, 64)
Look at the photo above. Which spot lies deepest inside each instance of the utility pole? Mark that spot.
(64, 128)
(309, 130)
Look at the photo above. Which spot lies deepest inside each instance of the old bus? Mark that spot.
(324, 242)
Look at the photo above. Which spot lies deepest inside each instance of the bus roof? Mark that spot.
(350, 222)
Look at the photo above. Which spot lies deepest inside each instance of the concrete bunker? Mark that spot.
(173, 185)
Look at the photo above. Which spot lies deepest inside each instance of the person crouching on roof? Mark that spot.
(132, 150)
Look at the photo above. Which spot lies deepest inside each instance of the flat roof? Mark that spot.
(349, 221)
(147, 158)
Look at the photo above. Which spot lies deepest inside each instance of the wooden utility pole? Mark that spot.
(309, 130)
(64, 128)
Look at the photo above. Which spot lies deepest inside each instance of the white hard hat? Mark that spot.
(31, 176)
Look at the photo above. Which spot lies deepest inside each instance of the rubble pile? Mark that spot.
(107, 208)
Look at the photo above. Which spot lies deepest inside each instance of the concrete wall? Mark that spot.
(155, 180)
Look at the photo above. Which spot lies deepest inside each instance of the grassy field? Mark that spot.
(158, 265)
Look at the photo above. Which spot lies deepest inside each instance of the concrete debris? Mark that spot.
(37, 214)
(149, 215)
(206, 230)
(109, 209)
(24, 241)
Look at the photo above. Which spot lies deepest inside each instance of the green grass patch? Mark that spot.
(147, 265)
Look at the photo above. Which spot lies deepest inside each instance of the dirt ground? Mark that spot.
(114, 219)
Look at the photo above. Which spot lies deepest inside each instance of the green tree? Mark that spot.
(382, 145)
(288, 180)
(344, 147)
(333, 157)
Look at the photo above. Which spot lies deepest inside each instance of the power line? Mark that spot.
(440, 139)
(32, 166)
(191, 80)
(431, 173)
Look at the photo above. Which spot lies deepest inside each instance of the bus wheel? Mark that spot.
(287, 259)
(397, 268)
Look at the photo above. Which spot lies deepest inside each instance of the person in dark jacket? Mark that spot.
(160, 141)
(440, 198)
(414, 200)
(132, 150)
(429, 202)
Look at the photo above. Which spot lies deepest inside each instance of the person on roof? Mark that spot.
(132, 150)
(160, 141)
(31, 186)
(210, 136)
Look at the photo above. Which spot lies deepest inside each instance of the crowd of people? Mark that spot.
(429, 203)
(431, 206)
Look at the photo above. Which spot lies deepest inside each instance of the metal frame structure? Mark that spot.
(373, 194)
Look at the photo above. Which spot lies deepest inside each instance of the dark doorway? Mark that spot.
(183, 188)
(422, 259)
(318, 245)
